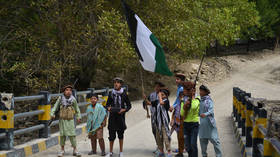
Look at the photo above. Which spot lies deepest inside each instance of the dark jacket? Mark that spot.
(116, 120)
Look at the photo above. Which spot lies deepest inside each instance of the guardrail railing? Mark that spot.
(251, 117)
(8, 118)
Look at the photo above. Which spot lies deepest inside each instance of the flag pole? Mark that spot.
(143, 92)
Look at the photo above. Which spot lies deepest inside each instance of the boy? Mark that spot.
(68, 108)
(162, 123)
(189, 112)
(153, 99)
(118, 104)
(96, 121)
(180, 78)
(208, 130)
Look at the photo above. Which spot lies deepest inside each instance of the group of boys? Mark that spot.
(117, 105)
(187, 110)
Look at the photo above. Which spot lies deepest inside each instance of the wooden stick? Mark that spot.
(143, 93)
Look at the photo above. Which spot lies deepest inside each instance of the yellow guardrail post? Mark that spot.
(261, 119)
(44, 118)
(7, 121)
(249, 123)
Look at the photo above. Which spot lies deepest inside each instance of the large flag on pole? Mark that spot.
(147, 46)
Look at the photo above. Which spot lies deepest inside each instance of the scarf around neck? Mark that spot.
(67, 102)
(117, 97)
(162, 119)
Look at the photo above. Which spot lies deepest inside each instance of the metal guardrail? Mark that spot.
(28, 114)
(251, 117)
(43, 114)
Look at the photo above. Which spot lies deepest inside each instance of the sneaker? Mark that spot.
(103, 153)
(169, 155)
(92, 153)
(109, 154)
(175, 151)
(159, 154)
(179, 155)
(61, 154)
(77, 154)
(121, 154)
(156, 151)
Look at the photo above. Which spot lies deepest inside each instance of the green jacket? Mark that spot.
(193, 113)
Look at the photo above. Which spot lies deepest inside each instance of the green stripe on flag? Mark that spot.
(161, 66)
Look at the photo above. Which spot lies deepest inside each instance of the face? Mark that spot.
(188, 92)
(157, 88)
(202, 92)
(163, 95)
(178, 81)
(93, 100)
(68, 92)
(117, 85)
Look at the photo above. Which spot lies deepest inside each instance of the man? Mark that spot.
(68, 108)
(118, 104)
(208, 130)
(189, 112)
(180, 78)
(153, 99)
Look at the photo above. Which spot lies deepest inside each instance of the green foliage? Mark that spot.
(269, 11)
(47, 43)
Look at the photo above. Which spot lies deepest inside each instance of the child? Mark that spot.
(68, 108)
(96, 121)
(208, 129)
(162, 123)
(118, 104)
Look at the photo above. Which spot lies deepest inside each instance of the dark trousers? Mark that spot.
(112, 134)
(190, 135)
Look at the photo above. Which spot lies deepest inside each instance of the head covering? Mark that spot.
(165, 91)
(67, 86)
(159, 83)
(205, 88)
(188, 85)
(181, 76)
(118, 79)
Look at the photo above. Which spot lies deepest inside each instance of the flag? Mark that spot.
(147, 46)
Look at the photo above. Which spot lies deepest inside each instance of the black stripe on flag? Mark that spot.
(132, 24)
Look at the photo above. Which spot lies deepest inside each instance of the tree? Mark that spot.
(269, 11)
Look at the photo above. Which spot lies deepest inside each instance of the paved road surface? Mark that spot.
(250, 76)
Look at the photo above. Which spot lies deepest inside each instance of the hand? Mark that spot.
(122, 111)
(109, 109)
(79, 120)
(171, 108)
(53, 117)
(148, 116)
(144, 97)
(172, 123)
(202, 115)
(103, 125)
(187, 104)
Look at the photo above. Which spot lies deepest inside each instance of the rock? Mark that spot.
(242, 60)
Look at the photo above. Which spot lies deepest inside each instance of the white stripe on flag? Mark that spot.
(146, 47)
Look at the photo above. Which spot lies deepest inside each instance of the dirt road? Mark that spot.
(255, 76)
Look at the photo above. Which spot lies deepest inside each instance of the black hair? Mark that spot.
(90, 95)
(160, 84)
